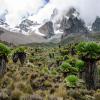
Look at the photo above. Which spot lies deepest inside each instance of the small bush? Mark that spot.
(4, 50)
(89, 49)
(65, 67)
(71, 81)
(20, 49)
(79, 64)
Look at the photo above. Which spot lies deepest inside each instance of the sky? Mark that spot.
(40, 10)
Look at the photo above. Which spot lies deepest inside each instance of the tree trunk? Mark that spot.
(90, 74)
(2, 66)
(22, 57)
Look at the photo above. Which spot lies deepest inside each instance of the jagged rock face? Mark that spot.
(96, 25)
(3, 18)
(26, 24)
(47, 29)
(72, 24)
(55, 12)
(2, 22)
(1, 31)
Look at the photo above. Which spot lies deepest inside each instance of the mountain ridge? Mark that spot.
(29, 31)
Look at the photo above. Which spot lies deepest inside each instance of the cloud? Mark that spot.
(19, 8)
(45, 12)
(42, 9)
(88, 9)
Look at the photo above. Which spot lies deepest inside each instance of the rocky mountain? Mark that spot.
(69, 23)
(96, 25)
(72, 23)
(26, 24)
(47, 29)
(3, 18)
(54, 13)
(18, 38)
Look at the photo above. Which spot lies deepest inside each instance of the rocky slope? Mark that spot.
(47, 29)
(96, 25)
(72, 23)
(26, 24)
(17, 38)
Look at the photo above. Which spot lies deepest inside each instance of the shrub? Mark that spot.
(89, 52)
(79, 64)
(71, 60)
(20, 49)
(64, 52)
(19, 53)
(71, 80)
(4, 50)
(89, 49)
(66, 67)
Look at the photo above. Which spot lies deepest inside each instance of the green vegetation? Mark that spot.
(51, 72)
(4, 50)
(19, 53)
(89, 52)
(71, 80)
(79, 64)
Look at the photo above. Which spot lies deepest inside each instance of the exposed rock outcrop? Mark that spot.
(96, 25)
(71, 23)
(25, 25)
(47, 29)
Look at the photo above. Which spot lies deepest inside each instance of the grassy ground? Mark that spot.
(40, 79)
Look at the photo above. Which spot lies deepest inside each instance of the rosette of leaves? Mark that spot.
(59, 59)
(20, 49)
(4, 50)
(76, 63)
(64, 52)
(19, 53)
(80, 65)
(71, 60)
(73, 81)
(89, 52)
(66, 68)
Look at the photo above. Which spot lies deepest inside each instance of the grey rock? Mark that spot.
(96, 25)
(47, 29)
(71, 23)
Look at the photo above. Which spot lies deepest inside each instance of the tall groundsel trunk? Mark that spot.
(90, 76)
(2, 66)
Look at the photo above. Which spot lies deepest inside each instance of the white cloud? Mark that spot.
(18, 8)
(88, 9)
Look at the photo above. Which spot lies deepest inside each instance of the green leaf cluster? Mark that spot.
(71, 81)
(66, 67)
(88, 49)
(4, 50)
(20, 49)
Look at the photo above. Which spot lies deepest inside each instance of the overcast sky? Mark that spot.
(42, 9)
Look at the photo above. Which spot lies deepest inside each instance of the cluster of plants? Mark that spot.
(72, 66)
(50, 73)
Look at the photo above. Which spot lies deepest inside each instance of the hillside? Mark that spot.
(75, 38)
(18, 38)
(41, 77)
